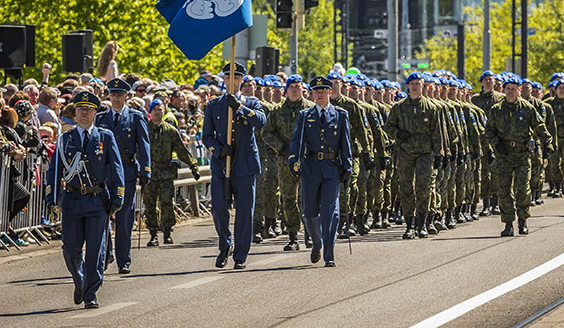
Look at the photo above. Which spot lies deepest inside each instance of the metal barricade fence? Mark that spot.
(4, 198)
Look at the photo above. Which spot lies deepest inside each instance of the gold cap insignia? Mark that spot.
(116, 83)
(319, 82)
(85, 97)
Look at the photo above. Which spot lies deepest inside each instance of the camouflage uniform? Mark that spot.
(510, 128)
(277, 133)
(164, 140)
(556, 161)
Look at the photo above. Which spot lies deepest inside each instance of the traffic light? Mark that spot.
(284, 13)
(310, 4)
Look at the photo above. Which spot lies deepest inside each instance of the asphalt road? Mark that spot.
(386, 282)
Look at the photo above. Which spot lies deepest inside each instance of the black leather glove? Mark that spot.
(227, 150)
(113, 209)
(460, 159)
(369, 162)
(195, 172)
(143, 181)
(546, 152)
(233, 102)
(438, 162)
(501, 150)
(390, 147)
(346, 178)
(285, 151)
(403, 135)
(491, 156)
(446, 162)
(385, 162)
(294, 169)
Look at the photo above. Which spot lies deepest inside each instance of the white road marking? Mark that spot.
(272, 260)
(102, 310)
(197, 282)
(468, 305)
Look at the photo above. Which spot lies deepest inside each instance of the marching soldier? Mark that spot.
(88, 160)
(322, 137)
(130, 131)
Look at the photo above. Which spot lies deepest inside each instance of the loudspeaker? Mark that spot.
(12, 47)
(30, 45)
(88, 47)
(267, 60)
(74, 52)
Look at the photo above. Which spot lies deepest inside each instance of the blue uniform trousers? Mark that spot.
(125, 218)
(89, 227)
(320, 200)
(243, 189)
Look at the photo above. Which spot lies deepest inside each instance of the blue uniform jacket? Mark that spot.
(101, 151)
(336, 130)
(132, 129)
(246, 160)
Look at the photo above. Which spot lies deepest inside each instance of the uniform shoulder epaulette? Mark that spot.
(340, 109)
(104, 112)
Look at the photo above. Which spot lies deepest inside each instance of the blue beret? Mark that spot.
(558, 82)
(437, 73)
(335, 75)
(387, 83)
(413, 76)
(377, 85)
(513, 80)
(267, 83)
(437, 81)
(305, 85)
(247, 78)
(86, 99)
(443, 80)
(294, 78)
(362, 77)
(485, 73)
(551, 84)
(240, 70)
(97, 80)
(498, 77)
(396, 85)
(556, 76)
(320, 82)
(277, 84)
(401, 95)
(537, 85)
(526, 80)
(259, 81)
(154, 103)
(118, 85)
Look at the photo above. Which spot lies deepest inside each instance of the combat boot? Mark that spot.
(538, 197)
(307, 239)
(474, 212)
(167, 238)
(376, 220)
(154, 240)
(385, 223)
(523, 229)
(430, 224)
(393, 214)
(450, 219)
(551, 189)
(293, 245)
(399, 218)
(268, 230)
(275, 225)
(410, 231)
(457, 216)
(257, 232)
(495, 205)
(557, 190)
(466, 212)
(344, 230)
(533, 200)
(508, 231)
(440, 223)
(358, 221)
(421, 226)
(486, 211)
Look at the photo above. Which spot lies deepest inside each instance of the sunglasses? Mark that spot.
(141, 90)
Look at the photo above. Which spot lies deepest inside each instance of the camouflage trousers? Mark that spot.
(461, 176)
(387, 189)
(159, 192)
(556, 163)
(289, 194)
(347, 193)
(451, 186)
(361, 190)
(537, 171)
(416, 180)
(477, 175)
(443, 177)
(271, 195)
(376, 189)
(514, 181)
(485, 177)
(258, 215)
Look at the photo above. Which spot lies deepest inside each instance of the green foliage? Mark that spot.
(545, 55)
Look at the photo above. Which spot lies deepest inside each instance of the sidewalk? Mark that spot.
(552, 319)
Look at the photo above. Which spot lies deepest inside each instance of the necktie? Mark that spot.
(116, 117)
(85, 140)
(322, 115)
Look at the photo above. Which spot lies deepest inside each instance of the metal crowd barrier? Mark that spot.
(29, 219)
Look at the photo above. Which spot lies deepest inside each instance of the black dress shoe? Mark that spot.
(508, 231)
(77, 295)
(523, 229)
(222, 258)
(124, 270)
(330, 264)
(315, 256)
(91, 305)
(109, 260)
(239, 265)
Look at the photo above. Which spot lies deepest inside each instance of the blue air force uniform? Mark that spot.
(326, 150)
(131, 136)
(245, 164)
(84, 217)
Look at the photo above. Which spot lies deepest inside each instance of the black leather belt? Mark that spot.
(513, 144)
(86, 190)
(320, 155)
(160, 165)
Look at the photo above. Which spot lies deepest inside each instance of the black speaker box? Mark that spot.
(267, 60)
(30, 45)
(12, 47)
(74, 52)
(88, 47)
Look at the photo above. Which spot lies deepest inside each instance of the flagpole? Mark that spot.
(227, 181)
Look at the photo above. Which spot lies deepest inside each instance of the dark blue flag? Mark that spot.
(199, 25)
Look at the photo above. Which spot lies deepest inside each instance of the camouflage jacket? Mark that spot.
(557, 106)
(165, 139)
(547, 113)
(358, 125)
(486, 100)
(376, 135)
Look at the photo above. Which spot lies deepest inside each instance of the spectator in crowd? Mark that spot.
(46, 70)
(205, 78)
(48, 101)
(47, 136)
(26, 131)
(204, 93)
(98, 87)
(18, 95)
(139, 89)
(177, 101)
(132, 78)
(187, 87)
(68, 118)
(33, 93)
(10, 90)
(283, 76)
(30, 82)
(85, 79)
(107, 65)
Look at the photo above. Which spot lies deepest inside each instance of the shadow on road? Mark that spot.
(52, 311)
